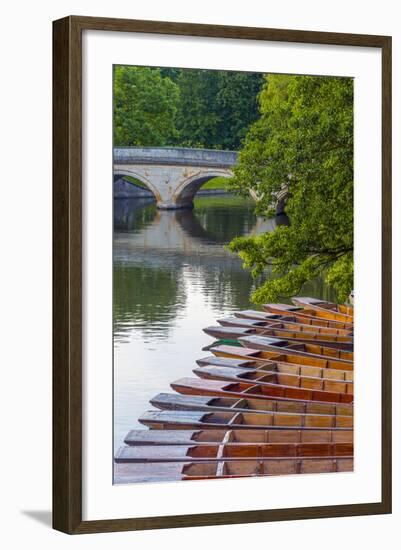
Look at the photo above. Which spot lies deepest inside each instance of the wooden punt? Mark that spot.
(241, 388)
(300, 313)
(237, 437)
(258, 376)
(269, 467)
(228, 451)
(223, 469)
(293, 314)
(283, 357)
(177, 402)
(289, 323)
(176, 420)
(315, 303)
(277, 366)
(269, 343)
(233, 333)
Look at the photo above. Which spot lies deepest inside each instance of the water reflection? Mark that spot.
(156, 254)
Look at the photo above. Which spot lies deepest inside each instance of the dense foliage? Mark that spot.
(145, 107)
(302, 142)
(216, 108)
(184, 107)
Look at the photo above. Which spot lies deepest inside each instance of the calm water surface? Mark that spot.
(172, 277)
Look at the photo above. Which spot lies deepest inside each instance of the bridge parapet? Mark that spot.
(175, 156)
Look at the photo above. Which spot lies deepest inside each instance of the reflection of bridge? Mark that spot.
(168, 234)
(173, 175)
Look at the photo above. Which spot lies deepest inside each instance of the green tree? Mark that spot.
(145, 107)
(197, 120)
(237, 105)
(216, 107)
(302, 142)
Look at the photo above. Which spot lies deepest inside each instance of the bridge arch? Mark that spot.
(120, 173)
(187, 189)
(173, 174)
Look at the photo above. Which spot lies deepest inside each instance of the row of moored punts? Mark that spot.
(274, 397)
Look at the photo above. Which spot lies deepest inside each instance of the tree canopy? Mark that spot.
(145, 107)
(216, 108)
(303, 143)
(184, 107)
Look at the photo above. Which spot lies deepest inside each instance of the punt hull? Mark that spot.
(255, 319)
(193, 386)
(277, 356)
(236, 437)
(311, 350)
(227, 451)
(277, 366)
(266, 378)
(226, 333)
(308, 314)
(325, 307)
(291, 314)
(177, 402)
(173, 471)
(176, 420)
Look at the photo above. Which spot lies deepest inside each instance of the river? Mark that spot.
(173, 276)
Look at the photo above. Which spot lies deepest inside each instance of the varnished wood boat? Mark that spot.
(246, 388)
(277, 366)
(237, 437)
(233, 333)
(341, 321)
(269, 343)
(280, 403)
(175, 420)
(289, 323)
(292, 314)
(177, 402)
(282, 357)
(239, 388)
(222, 469)
(267, 467)
(262, 377)
(228, 451)
(315, 303)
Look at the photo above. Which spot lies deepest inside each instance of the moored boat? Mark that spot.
(267, 467)
(175, 401)
(234, 333)
(228, 451)
(175, 420)
(277, 378)
(292, 314)
(237, 437)
(238, 387)
(222, 469)
(315, 303)
(269, 343)
(290, 323)
(341, 320)
(277, 366)
(282, 356)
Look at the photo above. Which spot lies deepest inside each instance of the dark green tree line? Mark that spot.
(145, 107)
(184, 107)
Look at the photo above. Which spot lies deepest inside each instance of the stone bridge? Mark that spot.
(173, 175)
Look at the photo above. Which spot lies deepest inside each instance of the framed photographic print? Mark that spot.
(222, 274)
